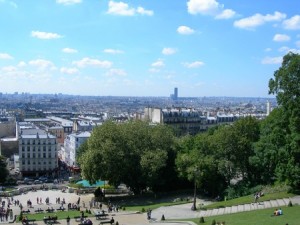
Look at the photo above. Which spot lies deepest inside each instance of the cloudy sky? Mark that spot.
(145, 47)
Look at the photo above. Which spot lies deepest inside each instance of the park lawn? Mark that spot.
(257, 217)
(60, 215)
(248, 199)
(152, 206)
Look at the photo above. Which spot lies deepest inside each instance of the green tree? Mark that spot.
(285, 85)
(3, 170)
(133, 153)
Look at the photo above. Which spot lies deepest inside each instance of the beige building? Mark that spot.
(37, 151)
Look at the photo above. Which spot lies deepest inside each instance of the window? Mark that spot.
(33, 155)
(44, 155)
(49, 155)
(28, 155)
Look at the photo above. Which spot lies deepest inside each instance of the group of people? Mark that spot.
(257, 195)
(277, 212)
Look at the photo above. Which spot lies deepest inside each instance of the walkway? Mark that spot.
(184, 211)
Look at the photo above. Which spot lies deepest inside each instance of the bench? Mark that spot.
(25, 211)
(101, 216)
(61, 209)
(107, 221)
(50, 220)
(28, 221)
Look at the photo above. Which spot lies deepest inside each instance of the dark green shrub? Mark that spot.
(143, 210)
(163, 217)
(201, 220)
(213, 222)
(290, 204)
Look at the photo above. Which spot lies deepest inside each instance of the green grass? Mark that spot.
(248, 199)
(152, 205)
(257, 217)
(60, 215)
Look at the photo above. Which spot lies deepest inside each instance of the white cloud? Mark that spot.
(195, 64)
(69, 50)
(21, 64)
(8, 69)
(42, 64)
(116, 72)
(5, 56)
(158, 63)
(272, 60)
(85, 62)
(284, 49)
(258, 20)
(143, 11)
(281, 37)
(168, 51)
(113, 51)
(154, 70)
(123, 9)
(292, 23)
(268, 49)
(70, 71)
(45, 35)
(68, 2)
(185, 30)
(226, 14)
(209, 7)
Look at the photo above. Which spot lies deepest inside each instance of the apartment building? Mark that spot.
(72, 142)
(37, 151)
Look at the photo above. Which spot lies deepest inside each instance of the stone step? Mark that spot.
(274, 203)
(227, 210)
(221, 211)
(268, 204)
(286, 200)
(214, 212)
(247, 207)
(280, 202)
(240, 208)
(234, 209)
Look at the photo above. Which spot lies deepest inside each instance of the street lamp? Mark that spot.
(194, 207)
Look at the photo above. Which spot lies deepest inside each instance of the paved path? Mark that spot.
(184, 211)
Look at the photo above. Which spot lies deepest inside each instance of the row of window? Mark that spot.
(35, 148)
(34, 163)
(33, 155)
(38, 142)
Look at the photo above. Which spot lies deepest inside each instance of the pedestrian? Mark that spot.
(68, 220)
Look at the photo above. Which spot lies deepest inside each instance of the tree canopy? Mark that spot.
(134, 153)
(3, 170)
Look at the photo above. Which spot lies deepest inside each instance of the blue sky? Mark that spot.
(145, 47)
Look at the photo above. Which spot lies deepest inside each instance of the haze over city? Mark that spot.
(145, 48)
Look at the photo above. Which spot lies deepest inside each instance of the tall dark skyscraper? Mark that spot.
(175, 96)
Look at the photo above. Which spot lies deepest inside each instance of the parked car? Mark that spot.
(37, 182)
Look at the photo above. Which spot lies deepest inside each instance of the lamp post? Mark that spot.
(194, 207)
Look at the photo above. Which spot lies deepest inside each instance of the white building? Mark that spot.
(37, 151)
(71, 145)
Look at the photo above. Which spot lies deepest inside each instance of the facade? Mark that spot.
(184, 121)
(71, 145)
(37, 151)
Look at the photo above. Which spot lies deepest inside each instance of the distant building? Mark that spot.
(184, 121)
(72, 142)
(37, 151)
(174, 96)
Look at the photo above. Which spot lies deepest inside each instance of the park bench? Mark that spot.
(61, 209)
(25, 211)
(107, 222)
(50, 220)
(78, 218)
(101, 216)
(39, 211)
(28, 221)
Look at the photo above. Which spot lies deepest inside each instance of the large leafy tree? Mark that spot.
(286, 86)
(134, 153)
(3, 170)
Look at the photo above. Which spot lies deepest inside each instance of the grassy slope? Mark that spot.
(257, 217)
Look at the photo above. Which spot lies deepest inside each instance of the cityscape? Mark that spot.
(136, 112)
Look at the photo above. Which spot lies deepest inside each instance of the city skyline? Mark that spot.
(145, 48)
